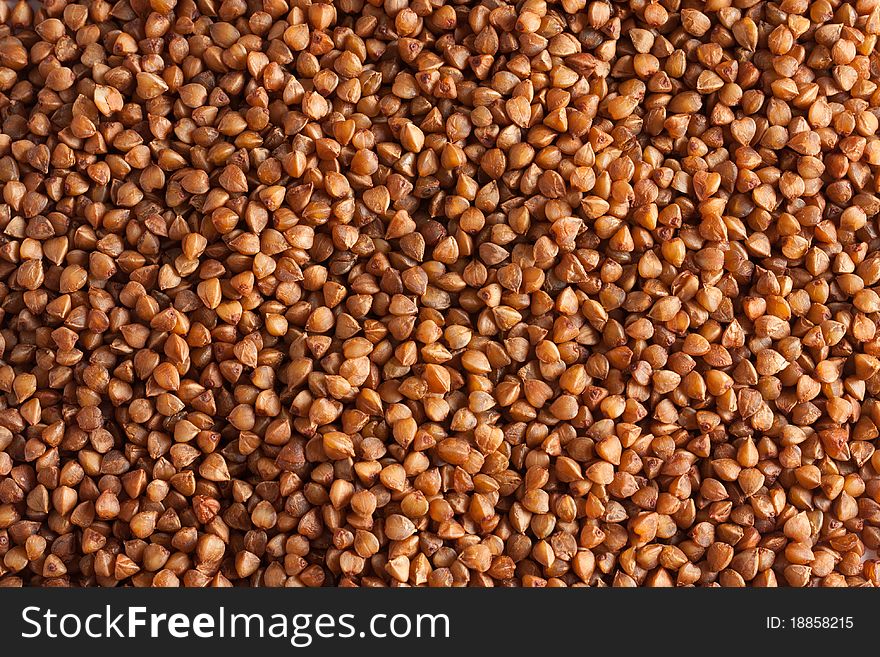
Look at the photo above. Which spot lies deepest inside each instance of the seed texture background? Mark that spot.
(427, 293)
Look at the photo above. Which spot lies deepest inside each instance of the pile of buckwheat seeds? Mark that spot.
(416, 293)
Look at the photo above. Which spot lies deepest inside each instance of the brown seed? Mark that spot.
(398, 527)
